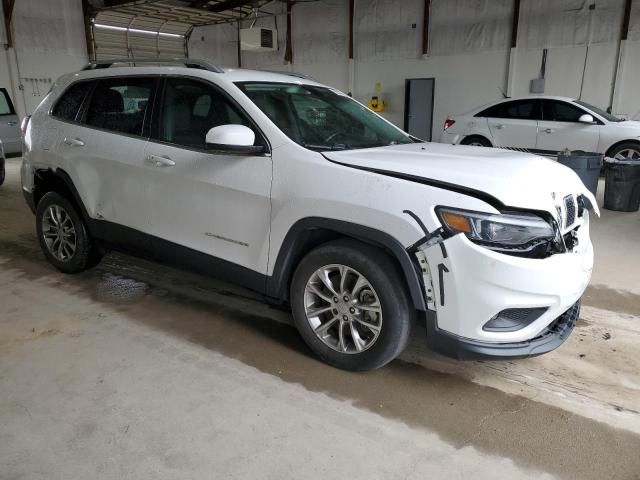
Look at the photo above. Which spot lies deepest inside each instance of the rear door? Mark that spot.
(9, 125)
(514, 124)
(103, 149)
(560, 128)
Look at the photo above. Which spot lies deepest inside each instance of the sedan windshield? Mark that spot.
(321, 118)
(602, 113)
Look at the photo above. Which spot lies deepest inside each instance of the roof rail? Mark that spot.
(291, 74)
(187, 62)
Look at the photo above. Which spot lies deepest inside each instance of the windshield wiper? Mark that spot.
(320, 148)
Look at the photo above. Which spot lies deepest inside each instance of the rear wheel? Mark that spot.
(2, 171)
(350, 305)
(62, 234)
(476, 141)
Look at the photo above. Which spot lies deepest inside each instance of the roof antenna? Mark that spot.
(504, 95)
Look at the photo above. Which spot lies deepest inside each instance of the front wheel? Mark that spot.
(63, 237)
(350, 305)
(626, 151)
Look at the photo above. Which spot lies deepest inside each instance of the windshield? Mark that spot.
(320, 118)
(602, 113)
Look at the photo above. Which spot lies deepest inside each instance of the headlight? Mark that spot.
(508, 230)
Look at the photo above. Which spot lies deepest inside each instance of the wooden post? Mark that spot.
(425, 27)
(514, 23)
(7, 8)
(87, 12)
(288, 50)
(352, 7)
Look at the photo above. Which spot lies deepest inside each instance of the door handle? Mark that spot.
(73, 142)
(12, 123)
(159, 161)
(548, 130)
(499, 126)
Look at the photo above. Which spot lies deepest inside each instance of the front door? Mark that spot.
(560, 129)
(216, 203)
(419, 107)
(9, 125)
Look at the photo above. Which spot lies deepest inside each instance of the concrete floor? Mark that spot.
(135, 370)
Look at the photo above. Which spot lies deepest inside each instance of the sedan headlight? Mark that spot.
(500, 231)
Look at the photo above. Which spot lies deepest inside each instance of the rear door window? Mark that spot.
(69, 104)
(6, 107)
(517, 109)
(120, 104)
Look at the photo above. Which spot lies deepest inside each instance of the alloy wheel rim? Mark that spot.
(343, 309)
(59, 233)
(628, 153)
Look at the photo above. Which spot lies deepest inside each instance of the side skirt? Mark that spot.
(127, 240)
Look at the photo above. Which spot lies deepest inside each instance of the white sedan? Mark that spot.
(545, 125)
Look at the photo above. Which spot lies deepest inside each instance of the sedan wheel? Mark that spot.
(633, 153)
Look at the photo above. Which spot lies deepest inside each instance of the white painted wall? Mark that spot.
(469, 50)
(49, 41)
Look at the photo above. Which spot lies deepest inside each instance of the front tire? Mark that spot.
(350, 305)
(625, 150)
(63, 236)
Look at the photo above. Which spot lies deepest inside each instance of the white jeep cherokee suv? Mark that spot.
(295, 190)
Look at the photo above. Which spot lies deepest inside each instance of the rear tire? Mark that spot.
(63, 236)
(2, 171)
(366, 314)
(476, 141)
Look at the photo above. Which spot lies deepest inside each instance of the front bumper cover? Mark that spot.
(461, 348)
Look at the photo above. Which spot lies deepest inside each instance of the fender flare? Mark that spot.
(295, 246)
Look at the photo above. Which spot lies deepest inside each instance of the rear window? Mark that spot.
(67, 107)
(120, 104)
(6, 107)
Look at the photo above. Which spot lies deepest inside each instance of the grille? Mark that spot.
(570, 210)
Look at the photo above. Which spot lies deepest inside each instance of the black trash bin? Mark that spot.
(622, 185)
(586, 164)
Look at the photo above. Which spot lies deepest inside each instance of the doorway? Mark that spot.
(418, 107)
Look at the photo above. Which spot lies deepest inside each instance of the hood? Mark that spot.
(632, 125)
(516, 179)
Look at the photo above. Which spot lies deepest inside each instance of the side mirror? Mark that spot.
(586, 118)
(234, 139)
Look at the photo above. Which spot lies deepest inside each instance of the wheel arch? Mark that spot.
(635, 141)
(309, 233)
(49, 180)
(477, 135)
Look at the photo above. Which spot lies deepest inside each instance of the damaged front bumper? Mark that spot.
(468, 287)
(460, 348)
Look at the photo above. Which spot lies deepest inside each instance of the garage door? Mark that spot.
(122, 35)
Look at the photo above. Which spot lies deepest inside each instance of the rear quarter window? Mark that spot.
(66, 108)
